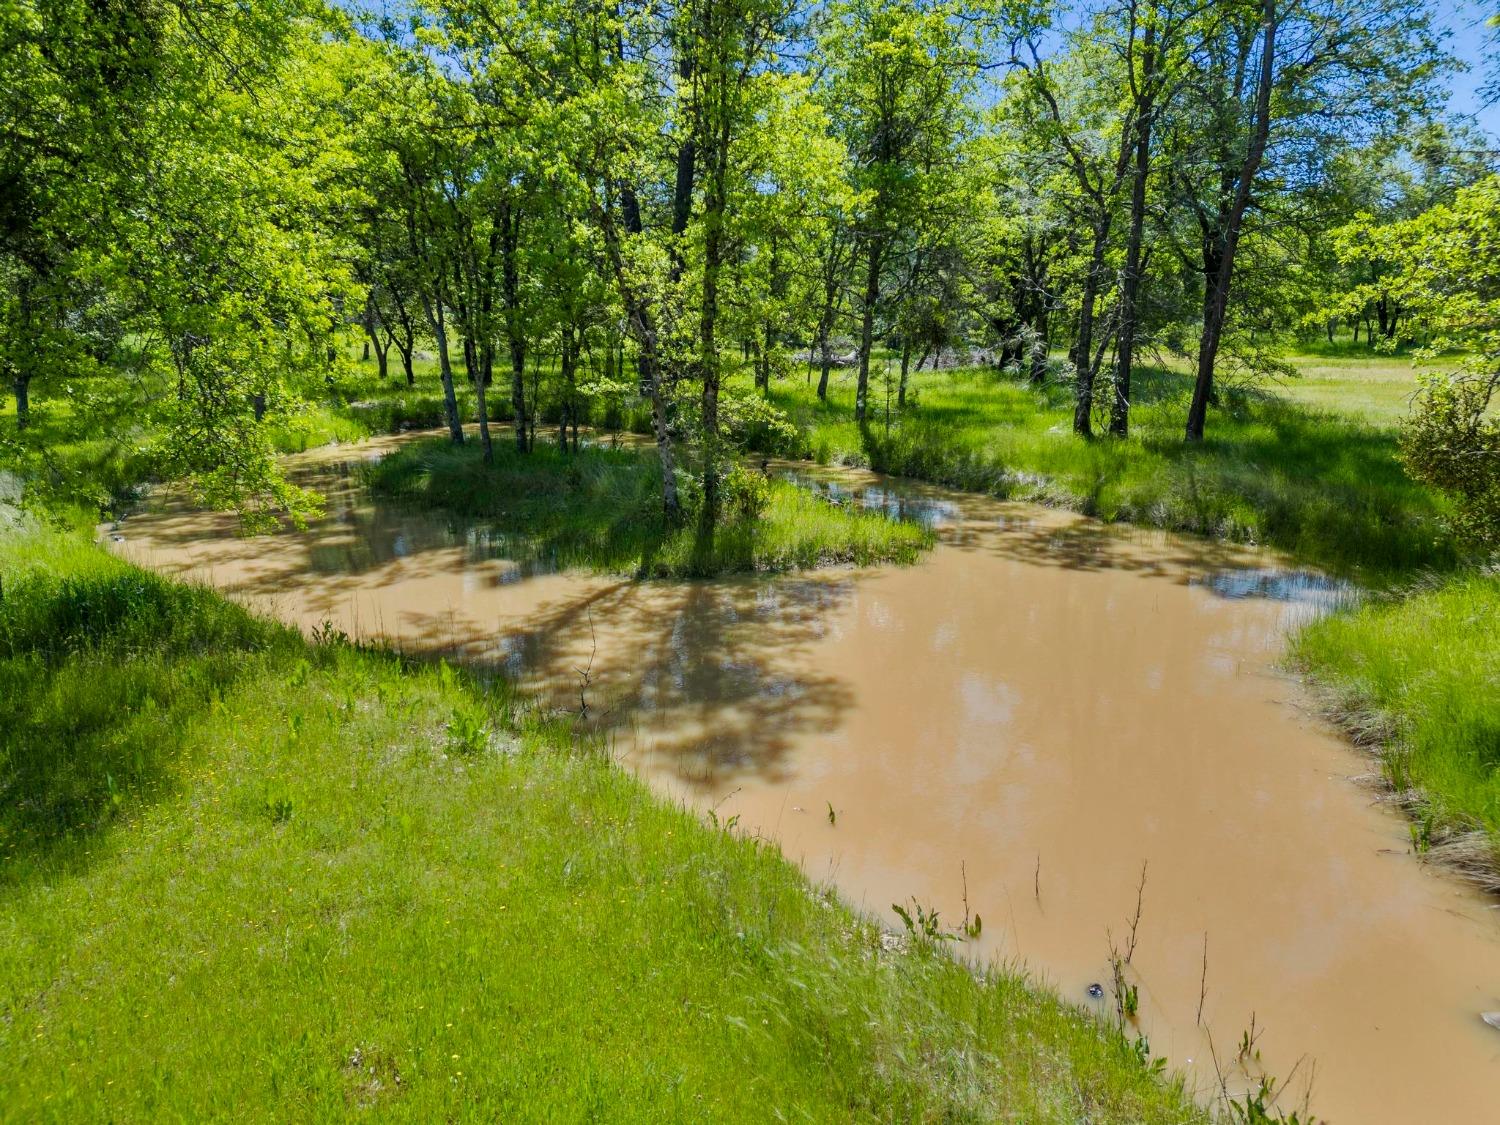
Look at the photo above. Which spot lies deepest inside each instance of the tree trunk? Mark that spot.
(1119, 410)
(518, 391)
(867, 327)
(643, 327)
(567, 364)
(370, 323)
(767, 344)
(1040, 349)
(1217, 306)
(825, 360)
(1083, 406)
(905, 367)
(509, 219)
(22, 387)
(713, 243)
(486, 363)
(435, 320)
(471, 360)
(406, 339)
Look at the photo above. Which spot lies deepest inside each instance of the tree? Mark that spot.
(169, 170)
(1067, 122)
(1445, 269)
(896, 72)
(1277, 77)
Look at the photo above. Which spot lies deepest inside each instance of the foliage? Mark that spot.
(171, 166)
(1441, 268)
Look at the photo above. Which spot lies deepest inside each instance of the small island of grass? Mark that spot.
(599, 509)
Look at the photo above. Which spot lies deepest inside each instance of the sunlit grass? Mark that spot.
(1325, 486)
(600, 509)
(1355, 381)
(305, 881)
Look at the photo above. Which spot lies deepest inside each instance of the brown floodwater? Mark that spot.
(1031, 717)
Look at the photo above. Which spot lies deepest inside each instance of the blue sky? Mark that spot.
(1471, 40)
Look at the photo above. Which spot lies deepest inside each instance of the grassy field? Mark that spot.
(1354, 382)
(1418, 681)
(254, 878)
(600, 509)
(1323, 485)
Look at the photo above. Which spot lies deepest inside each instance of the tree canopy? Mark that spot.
(204, 203)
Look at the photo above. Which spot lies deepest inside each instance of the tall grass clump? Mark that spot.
(600, 509)
(1418, 681)
(349, 885)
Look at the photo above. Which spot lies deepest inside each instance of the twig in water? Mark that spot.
(971, 927)
(1036, 879)
(1140, 894)
(1203, 981)
(586, 674)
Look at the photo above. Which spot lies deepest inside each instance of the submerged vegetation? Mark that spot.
(1417, 680)
(597, 508)
(248, 875)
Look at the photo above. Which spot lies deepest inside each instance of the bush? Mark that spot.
(1452, 442)
(746, 493)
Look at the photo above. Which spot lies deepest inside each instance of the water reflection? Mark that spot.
(1280, 584)
(375, 534)
(893, 501)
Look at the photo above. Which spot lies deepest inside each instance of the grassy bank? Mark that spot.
(1418, 681)
(1321, 484)
(600, 509)
(250, 877)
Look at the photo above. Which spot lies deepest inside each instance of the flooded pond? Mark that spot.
(1038, 712)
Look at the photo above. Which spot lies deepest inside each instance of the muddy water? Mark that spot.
(1033, 716)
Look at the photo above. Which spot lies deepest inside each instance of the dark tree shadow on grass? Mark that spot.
(100, 678)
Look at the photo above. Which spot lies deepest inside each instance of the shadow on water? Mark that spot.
(712, 673)
(707, 672)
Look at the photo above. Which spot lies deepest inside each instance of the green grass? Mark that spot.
(1419, 679)
(1354, 382)
(1324, 486)
(249, 877)
(600, 509)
